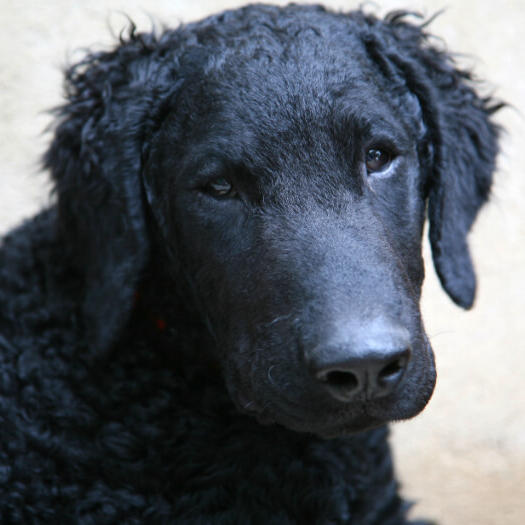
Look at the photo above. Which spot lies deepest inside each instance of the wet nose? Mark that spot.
(372, 364)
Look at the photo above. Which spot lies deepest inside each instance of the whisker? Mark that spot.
(279, 318)
(269, 374)
(442, 332)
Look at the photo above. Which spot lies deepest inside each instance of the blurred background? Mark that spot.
(463, 460)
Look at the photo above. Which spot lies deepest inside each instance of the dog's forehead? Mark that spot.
(269, 84)
(290, 112)
(293, 105)
(308, 67)
(302, 52)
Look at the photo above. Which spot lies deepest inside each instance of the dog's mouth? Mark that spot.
(325, 423)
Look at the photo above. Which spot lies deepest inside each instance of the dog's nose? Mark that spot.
(373, 366)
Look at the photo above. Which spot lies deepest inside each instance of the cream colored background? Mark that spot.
(463, 459)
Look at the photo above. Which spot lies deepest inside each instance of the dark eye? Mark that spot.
(377, 159)
(220, 188)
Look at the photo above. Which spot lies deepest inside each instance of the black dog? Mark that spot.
(237, 241)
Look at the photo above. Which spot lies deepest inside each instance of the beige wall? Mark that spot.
(464, 457)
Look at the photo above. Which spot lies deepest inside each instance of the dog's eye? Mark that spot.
(377, 159)
(220, 188)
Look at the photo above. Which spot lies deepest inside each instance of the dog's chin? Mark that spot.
(345, 421)
(331, 430)
(321, 425)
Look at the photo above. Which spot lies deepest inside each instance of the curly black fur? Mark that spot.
(145, 320)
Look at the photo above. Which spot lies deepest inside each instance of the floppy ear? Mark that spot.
(95, 161)
(464, 163)
(459, 147)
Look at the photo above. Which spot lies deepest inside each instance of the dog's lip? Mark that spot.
(250, 408)
(282, 411)
(326, 429)
(265, 414)
(344, 429)
(245, 403)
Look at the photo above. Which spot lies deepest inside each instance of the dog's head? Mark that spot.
(284, 159)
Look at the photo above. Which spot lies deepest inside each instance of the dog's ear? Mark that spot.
(95, 161)
(459, 146)
(464, 163)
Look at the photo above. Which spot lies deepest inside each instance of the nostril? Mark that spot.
(373, 374)
(342, 384)
(391, 370)
(342, 380)
(390, 375)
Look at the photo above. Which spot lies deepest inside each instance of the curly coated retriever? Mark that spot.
(220, 315)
